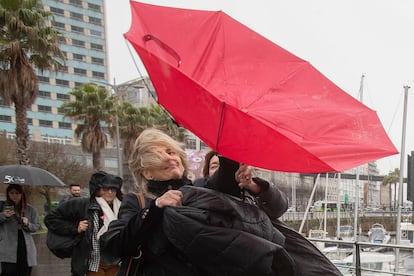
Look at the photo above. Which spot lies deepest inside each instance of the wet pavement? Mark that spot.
(47, 263)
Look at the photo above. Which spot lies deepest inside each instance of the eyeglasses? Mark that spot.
(107, 189)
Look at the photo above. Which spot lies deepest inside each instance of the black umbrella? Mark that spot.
(28, 175)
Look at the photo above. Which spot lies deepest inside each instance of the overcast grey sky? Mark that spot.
(342, 38)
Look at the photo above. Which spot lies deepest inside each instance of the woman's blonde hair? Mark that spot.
(143, 156)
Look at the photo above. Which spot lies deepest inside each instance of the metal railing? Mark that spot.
(294, 216)
(358, 246)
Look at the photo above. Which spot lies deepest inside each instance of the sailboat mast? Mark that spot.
(400, 186)
(361, 88)
(356, 202)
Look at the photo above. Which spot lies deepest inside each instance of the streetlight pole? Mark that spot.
(115, 87)
(118, 137)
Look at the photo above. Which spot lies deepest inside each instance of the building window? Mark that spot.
(191, 143)
(62, 97)
(76, 16)
(78, 43)
(110, 163)
(79, 71)
(95, 46)
(45, 123)
(63, 68)
(76, 29)
(76, 2)
(98, 75)
(3, 102)
(96, 33)
(94, 7)
(62, 39)
(57, 11)
(98, 60)
(30, 121)
(203, 145)
(58, 25)
(43, 79)
(65, 125)
(78, 83)
(44, 94)
(94, 20)
(79, 57)
(62, 82)
(89, 161)
(44, 108)
(5, 118)
(56, 140)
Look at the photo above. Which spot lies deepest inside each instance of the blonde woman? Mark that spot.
(159, 164)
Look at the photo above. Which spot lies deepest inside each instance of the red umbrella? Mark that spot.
(250, 99)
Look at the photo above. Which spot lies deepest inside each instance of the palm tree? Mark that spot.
(93, 105)
(134, 120)
(393, 177)
(168, 124)
(27, 42)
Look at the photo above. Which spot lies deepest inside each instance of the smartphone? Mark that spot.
(9, 208)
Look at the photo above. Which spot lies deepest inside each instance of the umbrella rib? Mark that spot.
(223, 105)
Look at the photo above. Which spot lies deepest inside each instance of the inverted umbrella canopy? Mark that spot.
(28, 175)
(248, 98)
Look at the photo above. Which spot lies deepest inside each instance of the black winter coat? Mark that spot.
(226, 236)
(271, 200)
(136, 225)
(64, 220)
(309, 260)
(144, 226)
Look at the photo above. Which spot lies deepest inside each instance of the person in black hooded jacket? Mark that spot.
(87, 219)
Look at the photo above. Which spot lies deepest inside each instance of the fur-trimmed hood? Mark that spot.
(103, 179)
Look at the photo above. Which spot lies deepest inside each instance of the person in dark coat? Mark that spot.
(158, 164)
(18, 221)
(211, 164)
(309, 260)
(87, 219)
(214, 224)
(75, 192)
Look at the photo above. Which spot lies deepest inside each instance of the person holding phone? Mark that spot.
(18, 221)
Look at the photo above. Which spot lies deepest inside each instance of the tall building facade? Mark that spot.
(82, 25)
(139, 92)
(83, 42)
